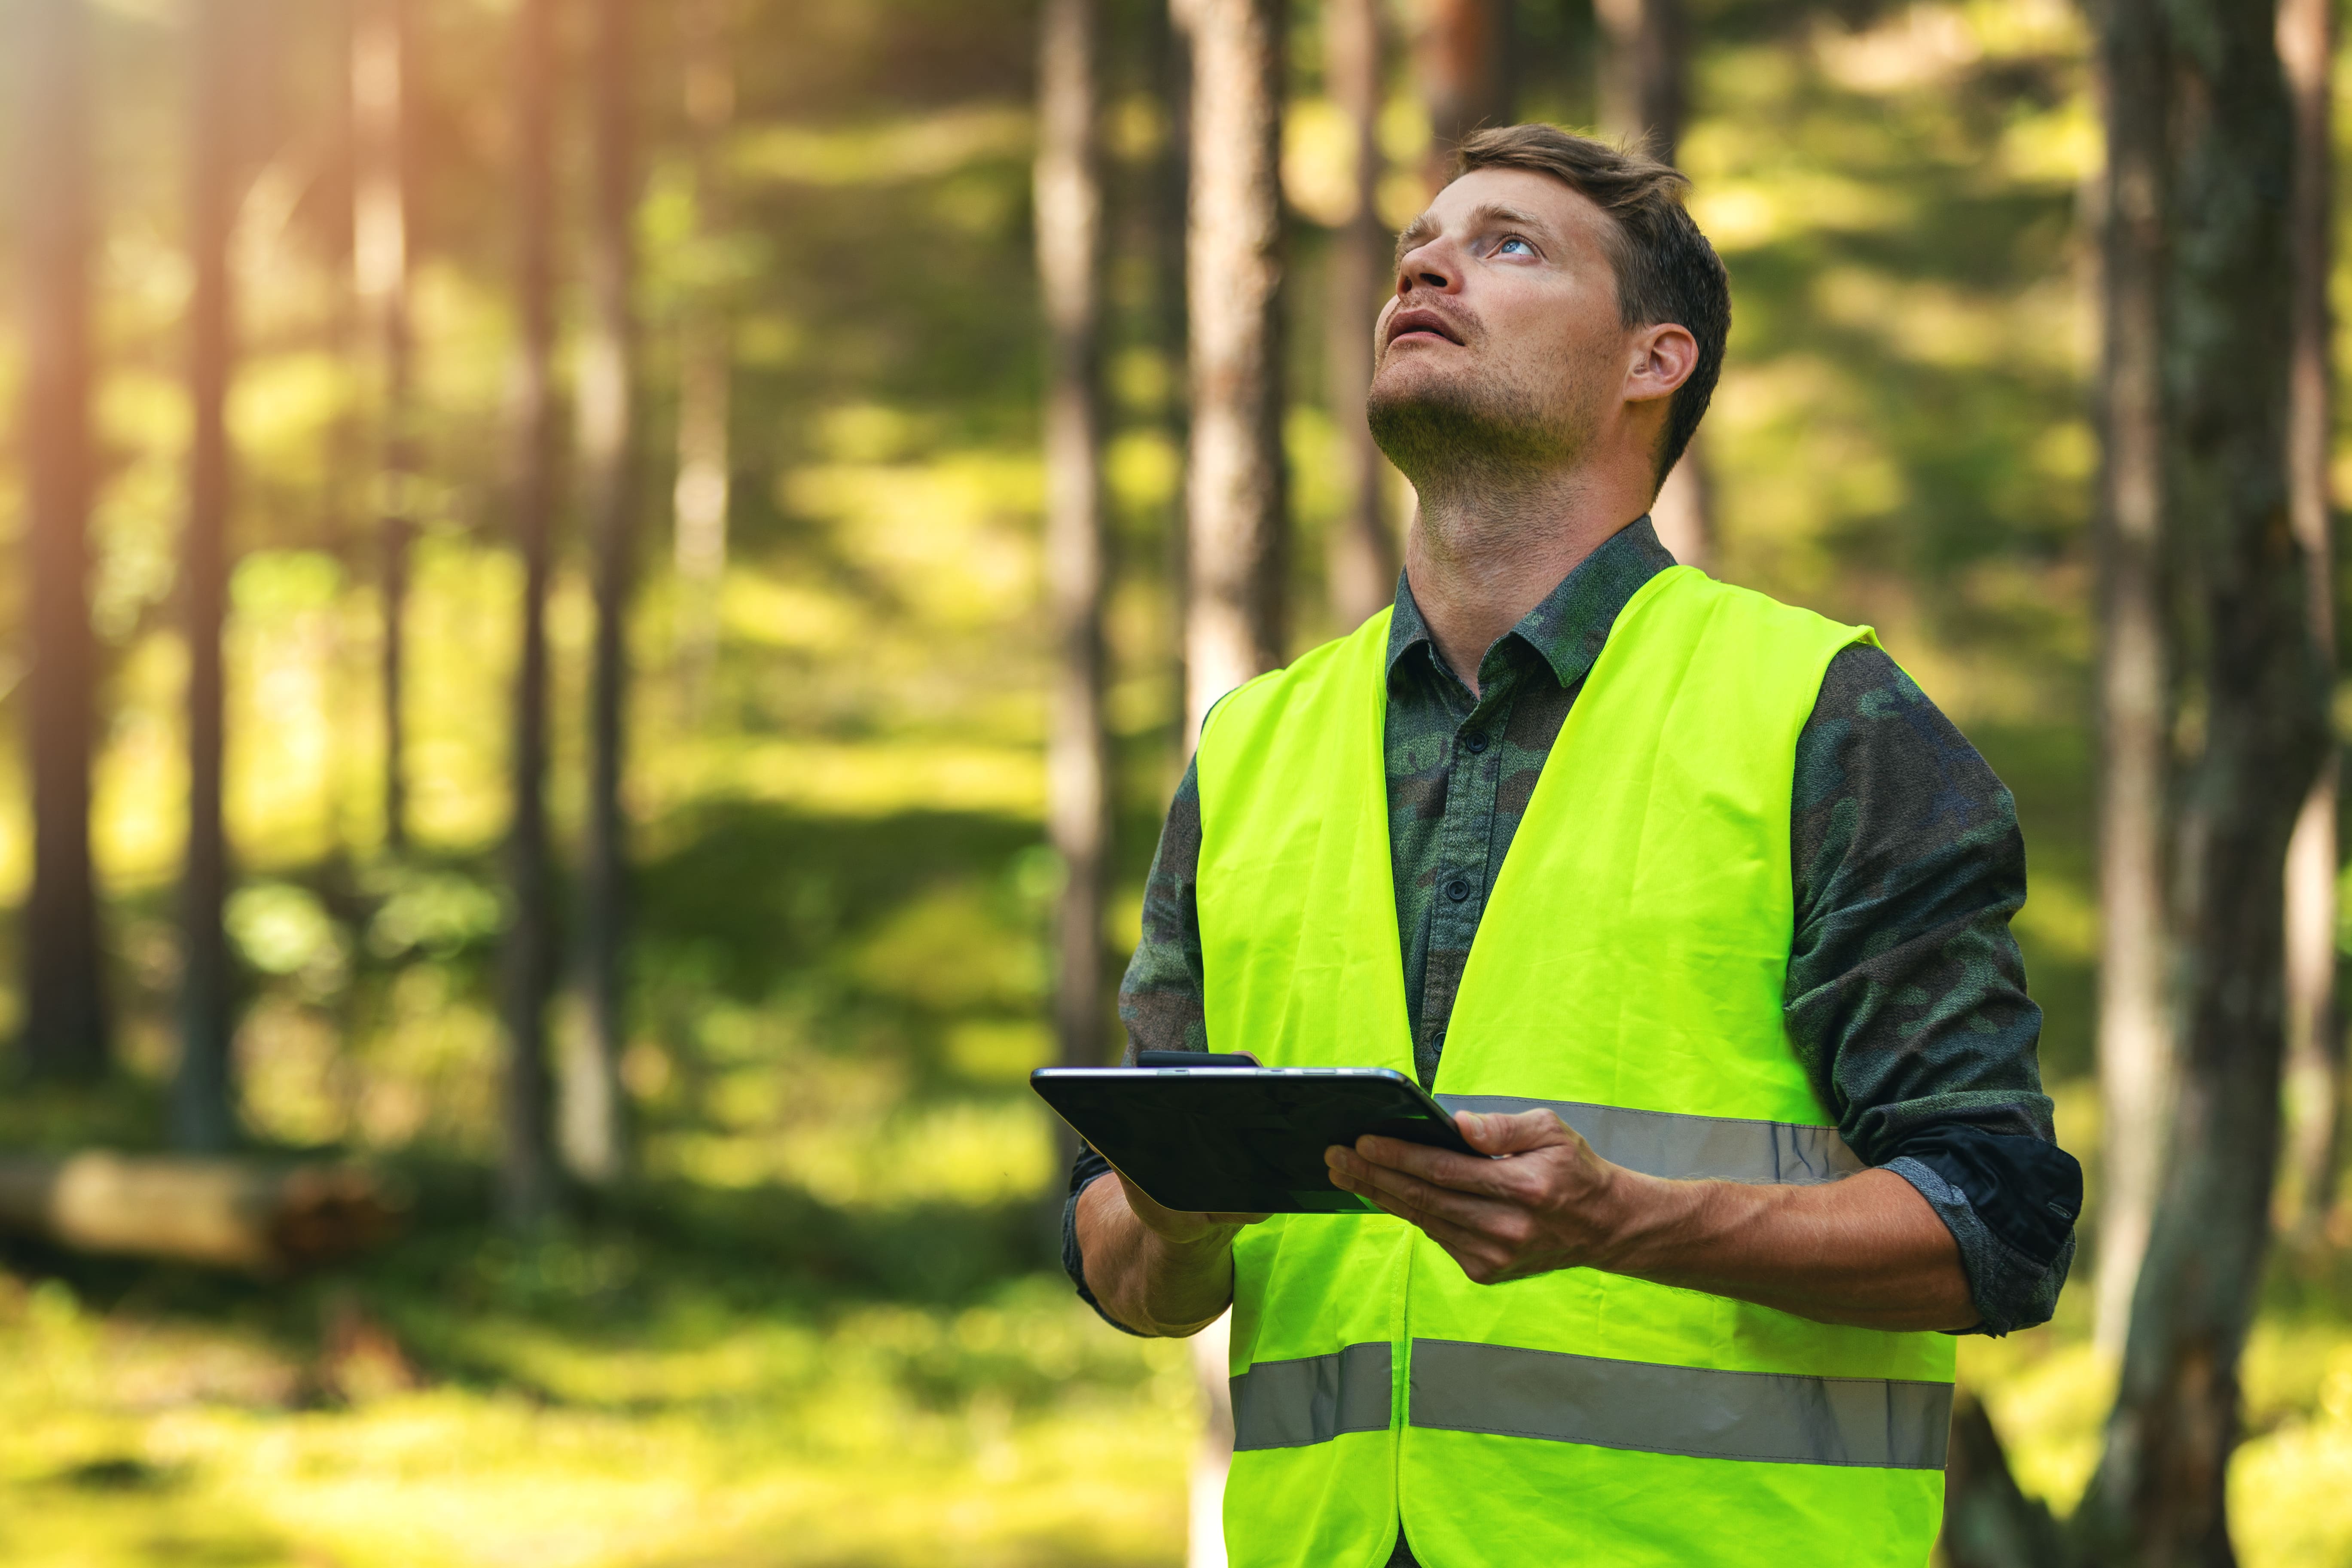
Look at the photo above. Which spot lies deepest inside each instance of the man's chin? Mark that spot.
(1425, 424)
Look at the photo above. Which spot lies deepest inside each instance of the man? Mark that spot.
(1742, 1030)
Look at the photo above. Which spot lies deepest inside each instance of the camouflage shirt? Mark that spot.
(1905, 996)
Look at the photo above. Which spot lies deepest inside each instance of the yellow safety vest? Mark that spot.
(1628, 973)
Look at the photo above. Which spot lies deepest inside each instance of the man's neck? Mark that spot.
(1480, 557)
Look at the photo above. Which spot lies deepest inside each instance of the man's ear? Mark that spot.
(1664, 357)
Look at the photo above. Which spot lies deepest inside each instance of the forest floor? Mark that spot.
(635, 1394)
(615, 1397)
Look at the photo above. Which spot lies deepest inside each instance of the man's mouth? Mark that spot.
(1421, 323)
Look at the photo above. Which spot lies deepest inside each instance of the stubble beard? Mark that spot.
(1469, 441)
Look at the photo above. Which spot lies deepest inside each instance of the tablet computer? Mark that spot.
(1241, 1140)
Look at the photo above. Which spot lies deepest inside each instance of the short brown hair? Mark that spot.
(1666, 271)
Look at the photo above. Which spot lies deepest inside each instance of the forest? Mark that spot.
(606, 599)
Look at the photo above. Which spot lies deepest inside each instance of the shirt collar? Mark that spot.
(1570, 628)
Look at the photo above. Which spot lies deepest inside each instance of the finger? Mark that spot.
(1492, 1133)
(1440, 1167)
(1461, 1243)
(1449, 1203)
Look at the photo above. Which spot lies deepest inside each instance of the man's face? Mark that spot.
(1502, 341)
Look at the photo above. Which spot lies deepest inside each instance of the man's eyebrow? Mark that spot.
(1489, 212)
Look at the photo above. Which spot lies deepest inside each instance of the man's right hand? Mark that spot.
(1159, 1270)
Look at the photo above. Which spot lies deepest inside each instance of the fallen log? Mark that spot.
(229, 1213)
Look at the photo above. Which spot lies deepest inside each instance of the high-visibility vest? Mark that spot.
(1628, 973)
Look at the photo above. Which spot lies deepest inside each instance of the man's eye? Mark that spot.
(1515, 246)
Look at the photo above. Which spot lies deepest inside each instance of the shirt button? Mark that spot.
(1475, 741)
(1457, 890)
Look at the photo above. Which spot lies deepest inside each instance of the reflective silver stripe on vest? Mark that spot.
(1658, 1144)
(1290, 1404)
(1879, 1423)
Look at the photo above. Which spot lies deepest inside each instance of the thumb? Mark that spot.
(1492, 1133)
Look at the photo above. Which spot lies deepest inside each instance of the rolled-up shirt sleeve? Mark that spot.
(1907, 996)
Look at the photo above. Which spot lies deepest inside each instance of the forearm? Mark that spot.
(1151, 1282)
(1867, 1251)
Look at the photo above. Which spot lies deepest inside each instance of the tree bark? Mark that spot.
(2135, 678)
(1684, 511)
(1644, 72)
(2306, 38)
(528, 1187)
(1212, 1455)
(1644, 96)
(1458, 55)
(596, 1108)
(1363, 554)
(1069, 207)
(380, 268)
(1989, 1522)
(1237, 496)
(203, 1116)
(1167, 42)
(705, 355)
(65, 1030)
(2159, 1498)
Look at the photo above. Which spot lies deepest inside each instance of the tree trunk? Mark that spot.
(527, 1181)
(1644, 95)
(1458, 55)
(1239, 548)
(2135, 679)
(1644, 72)
(1069, 203)
(596, 1130)
(1168, 45)
(1212, 1457)
(705, 355)
(380, 268)
(65, 1030)
(2159, 1498)
(1363, 548)
(2315, 1033)
(203, 1116)
(1684, 511)
(1989, 1522)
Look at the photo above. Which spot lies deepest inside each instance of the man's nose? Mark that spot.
(1429, 265)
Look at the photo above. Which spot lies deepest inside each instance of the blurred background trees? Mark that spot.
(611, 595)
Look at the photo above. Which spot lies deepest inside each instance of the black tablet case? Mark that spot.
(1240, 1139)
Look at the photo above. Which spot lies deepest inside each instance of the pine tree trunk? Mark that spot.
(2159, 1496)
(706, 356)
(1069, 207)
(380, 267)
(2315, 1031)
(1239, 545)
(596, 1130)
(203, 1115)
(1169, 57)
(65, 1028)
(1644, 95)
(1458, 56)
(528, 1190)
(2135, 679)
(1363, 549)
(1644, 72)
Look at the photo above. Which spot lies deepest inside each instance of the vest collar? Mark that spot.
(1569, 628)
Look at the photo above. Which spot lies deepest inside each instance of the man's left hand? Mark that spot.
(1548, 1203)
